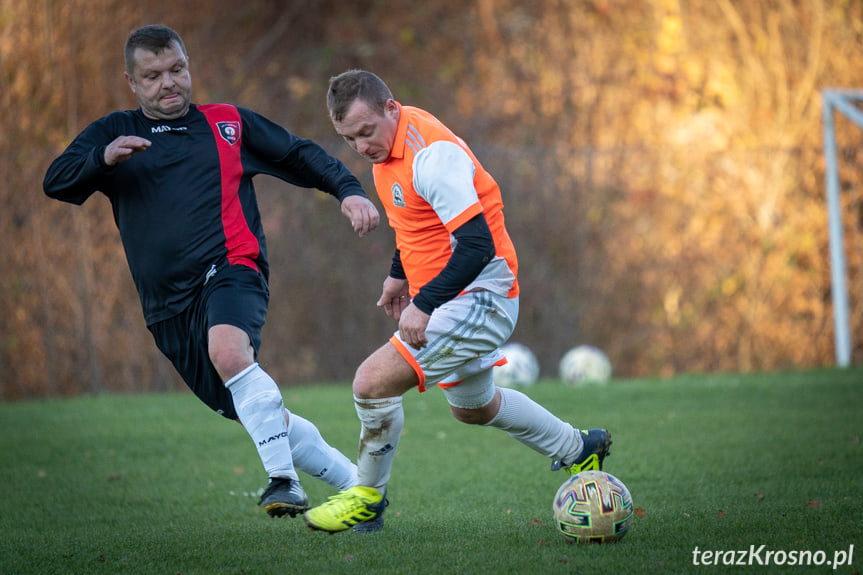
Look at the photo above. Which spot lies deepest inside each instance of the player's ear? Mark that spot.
(391, 109)
(130, 81)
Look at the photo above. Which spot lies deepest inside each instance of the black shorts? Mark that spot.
(236, 295)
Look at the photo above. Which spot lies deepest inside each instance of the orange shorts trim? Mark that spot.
(409, 357)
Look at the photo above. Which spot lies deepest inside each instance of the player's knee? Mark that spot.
(230, 350)
(473, 402)
(375, 380)
(471, 416)
(370, 388)
(364, 383)
(228, 361)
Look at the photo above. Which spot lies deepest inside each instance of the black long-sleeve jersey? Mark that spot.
(187, 202)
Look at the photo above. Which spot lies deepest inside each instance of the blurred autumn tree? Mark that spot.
(660, 161)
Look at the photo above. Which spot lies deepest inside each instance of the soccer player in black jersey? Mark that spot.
(179, 178)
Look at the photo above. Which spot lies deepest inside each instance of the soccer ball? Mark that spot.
(585, 365)
(521, 367)
(593, 507)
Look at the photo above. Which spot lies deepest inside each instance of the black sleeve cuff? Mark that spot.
(396, 269)
(473, 251)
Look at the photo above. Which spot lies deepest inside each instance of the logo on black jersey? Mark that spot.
(165, 129)
(398, 196)
(230, 131)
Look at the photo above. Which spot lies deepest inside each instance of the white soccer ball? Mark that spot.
(585, 365)
(593, 507)
(521, 368)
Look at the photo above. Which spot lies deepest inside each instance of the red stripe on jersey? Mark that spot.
(243, 247)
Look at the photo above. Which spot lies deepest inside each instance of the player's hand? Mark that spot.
(123, 147)
(362, 213)
(412, 326)
(395, 297)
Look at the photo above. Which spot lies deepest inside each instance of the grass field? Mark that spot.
(158, 484)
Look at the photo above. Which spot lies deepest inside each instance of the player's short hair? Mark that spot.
(356, 85)
(153, 38)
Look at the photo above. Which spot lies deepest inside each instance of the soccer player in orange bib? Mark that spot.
(452, 287)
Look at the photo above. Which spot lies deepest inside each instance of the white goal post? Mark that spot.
(842, 101)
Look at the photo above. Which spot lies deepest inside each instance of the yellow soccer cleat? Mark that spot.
(346, 509)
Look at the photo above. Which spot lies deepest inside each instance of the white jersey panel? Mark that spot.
(443, 176)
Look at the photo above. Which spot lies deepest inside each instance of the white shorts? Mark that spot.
(464, 338)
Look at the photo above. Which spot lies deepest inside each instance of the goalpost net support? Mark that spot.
(844, 102)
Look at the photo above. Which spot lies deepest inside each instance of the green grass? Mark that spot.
(159, 484)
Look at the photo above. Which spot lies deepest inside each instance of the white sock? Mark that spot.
(382, 423)
(259, 406)
(535, 426)
(316, 457)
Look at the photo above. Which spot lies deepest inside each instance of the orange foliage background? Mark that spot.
(661, 163)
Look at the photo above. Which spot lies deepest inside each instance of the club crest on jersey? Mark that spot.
(230, 131)
(398, 196)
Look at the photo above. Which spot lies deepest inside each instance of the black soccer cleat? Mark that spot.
(284, 496)
(595, 448)
(376, 524)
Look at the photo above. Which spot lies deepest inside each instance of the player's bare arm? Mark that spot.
(122, 148)
(362, 213)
